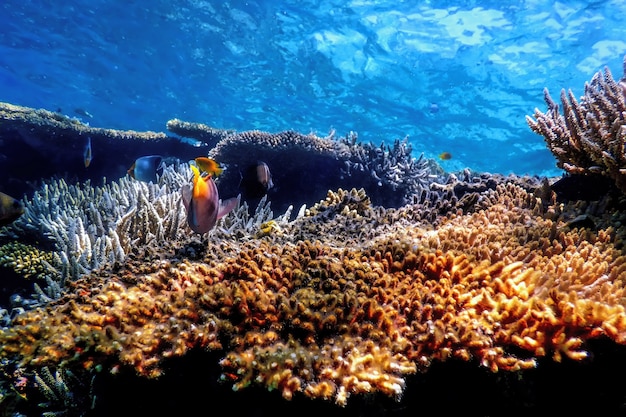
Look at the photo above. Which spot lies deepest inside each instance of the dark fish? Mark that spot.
(146, 168)
(444, 156)
(203, 204)
(583, 221)
(256, 181)
(87, 155)
(83, 112)
(10, 209)
(586, 187)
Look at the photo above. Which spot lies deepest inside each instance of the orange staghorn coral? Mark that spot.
(350, 299)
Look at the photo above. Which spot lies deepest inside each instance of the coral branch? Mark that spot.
(589, 137)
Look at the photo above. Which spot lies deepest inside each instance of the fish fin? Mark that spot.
(240, 179)
(186, 193)
(226, 206)
(131, 171)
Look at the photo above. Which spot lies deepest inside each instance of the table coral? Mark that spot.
(198, 131)
(40, 122)
(54, 143)
(389, 173)
(588, 138)
(350, 298)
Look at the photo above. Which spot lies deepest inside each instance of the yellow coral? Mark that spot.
(268, 228)
(27, 260)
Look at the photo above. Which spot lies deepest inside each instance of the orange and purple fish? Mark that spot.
(202, 203)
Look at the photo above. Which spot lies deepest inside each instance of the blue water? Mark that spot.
(453, 76)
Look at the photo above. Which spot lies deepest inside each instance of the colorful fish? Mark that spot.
(202, 203)
(208, 165)
(146, 168)
(87, 154)
(10, 209)
(444, 156)
(256, 181)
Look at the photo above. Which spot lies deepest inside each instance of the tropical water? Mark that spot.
(454, 77)
(127, 292)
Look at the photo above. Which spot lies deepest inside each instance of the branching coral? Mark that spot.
(92, 226)
(390, 166)
(84, 228)
(589, 137)
(348, 298)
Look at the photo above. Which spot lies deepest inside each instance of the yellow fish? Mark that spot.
(444, 156)
(208, 165)
(10, 209)
(202, 203)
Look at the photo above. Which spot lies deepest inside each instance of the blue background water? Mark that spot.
(453, 76)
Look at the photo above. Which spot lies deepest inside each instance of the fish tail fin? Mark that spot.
(227, 206)
(186, 194)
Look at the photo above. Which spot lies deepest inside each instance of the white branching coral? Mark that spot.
(93, 226)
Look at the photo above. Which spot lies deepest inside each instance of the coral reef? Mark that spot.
(76, 228)
(389, 174)
(54, 143)
(349, 298)
(588, 138)
(199, 131)
(81, 227)
(39, 123)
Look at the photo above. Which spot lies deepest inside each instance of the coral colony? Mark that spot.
(338, 298)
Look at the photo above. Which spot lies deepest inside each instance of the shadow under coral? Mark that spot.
(190, 386)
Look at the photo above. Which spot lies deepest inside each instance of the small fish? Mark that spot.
(146, 168)
(82, 112)
(208, 165)
(10, 209)
(256, 181)
(87, 155)
(202, 203)
(444, 156)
